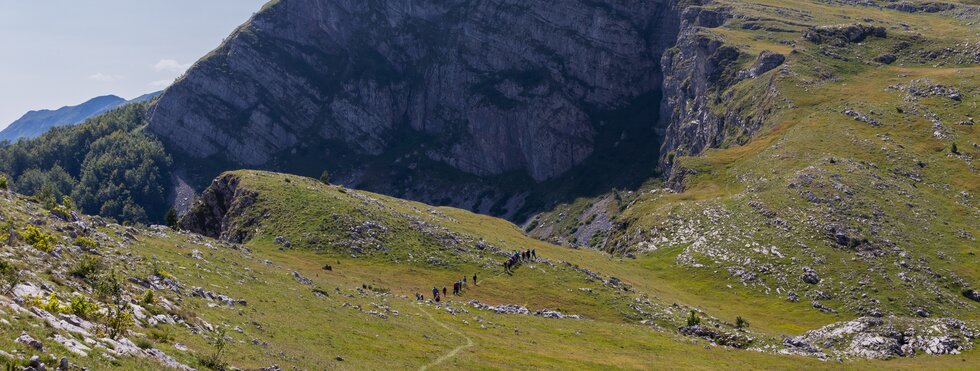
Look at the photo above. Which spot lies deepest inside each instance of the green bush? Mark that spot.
(143, 343)
(67, 203)
(325, 177)
(6, 232)
(87, 267)
(148, 297)
(117, 318)
(37, 238)
(215, 359)
(83, 307)
(693, 319)
(87, 243)
(171, 218)
(9, 276)
(53, 305)
(741, 322)
(163, 335)
(4, 184)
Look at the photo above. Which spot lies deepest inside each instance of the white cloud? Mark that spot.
(171, 65)
(160, 84)
(101, 77)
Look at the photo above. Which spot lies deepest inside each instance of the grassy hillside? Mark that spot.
(849, 207)
(852, 184)
(364, 305)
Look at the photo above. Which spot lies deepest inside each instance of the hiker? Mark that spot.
(534, 254)
(474, 279)
(435, 292)
(444, 290)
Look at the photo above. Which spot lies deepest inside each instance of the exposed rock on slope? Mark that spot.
(219, 207)
(697, 74)
(490, 86)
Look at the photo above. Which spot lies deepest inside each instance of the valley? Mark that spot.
(727, 184)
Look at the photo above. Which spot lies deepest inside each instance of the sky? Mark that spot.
(56, 53)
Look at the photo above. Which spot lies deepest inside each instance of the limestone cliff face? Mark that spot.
(217, 213)
(490, 86)
(696, 112)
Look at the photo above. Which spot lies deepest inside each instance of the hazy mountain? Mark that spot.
(35, 123)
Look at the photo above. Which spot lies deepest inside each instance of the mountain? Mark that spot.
(35, 123)
(469, 104)
(793, 186)
(808, 159)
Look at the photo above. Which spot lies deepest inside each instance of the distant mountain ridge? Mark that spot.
(35, 123)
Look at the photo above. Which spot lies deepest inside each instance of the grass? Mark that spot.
(402, 248)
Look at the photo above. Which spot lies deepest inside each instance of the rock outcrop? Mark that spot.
(486, 87)
(698, 73)
(218, 211)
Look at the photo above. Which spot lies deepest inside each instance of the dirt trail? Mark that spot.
(452, 353)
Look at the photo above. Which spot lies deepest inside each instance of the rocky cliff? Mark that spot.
(700, 110)
(490, 86)
(217, 210)
(486, 105)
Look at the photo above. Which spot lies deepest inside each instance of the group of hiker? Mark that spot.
(518, 257)
(459, 286)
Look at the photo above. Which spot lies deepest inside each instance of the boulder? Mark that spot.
(766, 61)
(810, 276)
(26, 339)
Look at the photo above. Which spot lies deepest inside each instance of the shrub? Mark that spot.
(83, 307)
(143, 343)
(9, 276)
(67, 203)
(741, 322)
(40, 240)
(54, 306)
(159, 272)
(88, 267)
(47, 198)
(325, 177)
(215, 360)
(4, 183)
(163, 335)
(693, 319)
(148, 297)
(87, 243)
(171, 218)
(6, 232)
(117, 318)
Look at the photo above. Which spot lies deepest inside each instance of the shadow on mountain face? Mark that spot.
(626, 144)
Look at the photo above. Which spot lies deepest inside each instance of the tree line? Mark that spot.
(109, 165)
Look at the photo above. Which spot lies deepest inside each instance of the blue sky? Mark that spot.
(55, 53)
